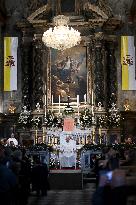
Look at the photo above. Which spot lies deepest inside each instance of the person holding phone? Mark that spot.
(113, 189)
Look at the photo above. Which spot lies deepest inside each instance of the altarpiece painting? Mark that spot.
(69, 74)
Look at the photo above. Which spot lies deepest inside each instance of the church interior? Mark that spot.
(68, 90)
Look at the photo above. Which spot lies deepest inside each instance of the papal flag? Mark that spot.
(10, 63)
(128, 63)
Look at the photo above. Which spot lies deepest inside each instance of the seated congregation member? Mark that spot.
(129, 158)
(40, 177)
(8, 182)
(120, 190)
(113, 159)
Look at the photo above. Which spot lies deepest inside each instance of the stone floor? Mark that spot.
(65, 197)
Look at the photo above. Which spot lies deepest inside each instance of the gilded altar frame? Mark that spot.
(62, 55)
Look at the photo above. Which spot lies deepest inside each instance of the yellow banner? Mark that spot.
(10, 63)
(128, 63)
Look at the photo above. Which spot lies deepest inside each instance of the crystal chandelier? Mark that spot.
(61, 36)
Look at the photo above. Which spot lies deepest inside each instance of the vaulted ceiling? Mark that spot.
(119, 7)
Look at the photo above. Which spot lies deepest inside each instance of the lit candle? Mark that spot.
(59, 104)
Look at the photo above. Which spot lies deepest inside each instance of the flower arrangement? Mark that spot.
(102, 121)
(86, 118)
(114, 116)
(36, 122)
(51, 120)
(24, 117)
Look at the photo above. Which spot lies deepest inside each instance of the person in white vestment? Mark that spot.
(12, 141)
(68, 153)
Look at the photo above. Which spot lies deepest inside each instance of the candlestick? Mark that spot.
(78, 111)
(34, 140)
(100, 133)
(83, 140)
(93, 130)
(43, 130)
(92, 97)
(93, 134)
(59, 104)
(55, 140)
(36, 137)
(49, 140)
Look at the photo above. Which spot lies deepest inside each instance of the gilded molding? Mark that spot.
(96, 9)
(39, 11)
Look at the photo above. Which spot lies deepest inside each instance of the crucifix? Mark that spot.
(68, 101)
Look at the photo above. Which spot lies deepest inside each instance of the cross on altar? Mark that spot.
(68, 101)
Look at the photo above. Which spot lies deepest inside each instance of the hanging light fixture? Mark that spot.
(61, 36)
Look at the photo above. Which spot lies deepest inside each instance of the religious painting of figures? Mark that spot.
(69, 74)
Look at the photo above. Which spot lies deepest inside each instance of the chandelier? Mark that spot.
(61, 36)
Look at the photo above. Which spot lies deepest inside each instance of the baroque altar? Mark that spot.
(83, 72)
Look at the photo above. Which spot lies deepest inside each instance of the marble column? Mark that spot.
(99, 70)
(111, 70)
(26, 48)
(38, 88)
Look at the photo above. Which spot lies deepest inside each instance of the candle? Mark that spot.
(77, 100)
(45, 105)
(52, 102)
(11, 94)
(59, 104)
(85, 98)
(45, 100)
(92, 102)
(92, 97)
